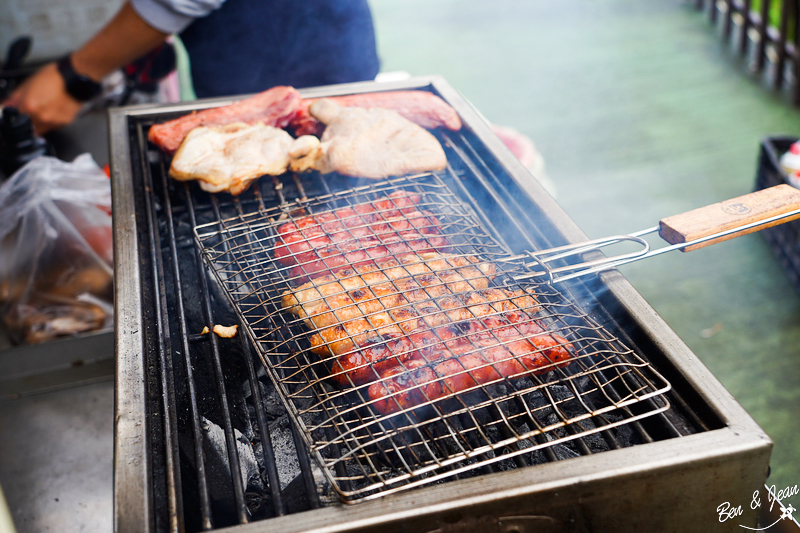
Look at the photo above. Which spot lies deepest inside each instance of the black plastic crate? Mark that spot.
(784, 239)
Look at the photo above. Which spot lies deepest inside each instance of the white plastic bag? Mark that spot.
(55, 249)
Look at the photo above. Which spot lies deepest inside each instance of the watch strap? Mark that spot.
(80, 87)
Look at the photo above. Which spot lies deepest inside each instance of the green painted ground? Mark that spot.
(640, 112)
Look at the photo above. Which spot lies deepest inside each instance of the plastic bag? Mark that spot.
(55, 249)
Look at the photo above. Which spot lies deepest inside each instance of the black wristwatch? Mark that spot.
(80, 87)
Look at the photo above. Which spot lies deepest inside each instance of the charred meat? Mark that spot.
(384, 300)
(465, 355)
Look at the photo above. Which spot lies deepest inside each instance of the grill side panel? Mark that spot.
(659, 488)
(133, 506)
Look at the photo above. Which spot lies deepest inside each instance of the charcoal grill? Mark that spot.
(634, 434)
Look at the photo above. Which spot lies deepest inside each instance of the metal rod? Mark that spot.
(230, 438)
(173, 481)
(266, 441)
(268, 452)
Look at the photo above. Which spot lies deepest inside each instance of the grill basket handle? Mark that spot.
(731, 214)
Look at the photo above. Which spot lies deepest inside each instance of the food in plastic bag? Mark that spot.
(55, 249)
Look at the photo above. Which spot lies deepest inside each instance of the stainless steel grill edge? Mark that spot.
(675, 484)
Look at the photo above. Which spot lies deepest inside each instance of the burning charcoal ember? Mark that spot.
(271, 402)
(286, 461)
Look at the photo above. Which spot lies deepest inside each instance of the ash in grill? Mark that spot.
(230, 431)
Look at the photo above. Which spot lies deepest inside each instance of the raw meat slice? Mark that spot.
(420, 107)
(274, 107)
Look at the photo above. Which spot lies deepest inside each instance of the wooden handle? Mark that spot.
(729, 215)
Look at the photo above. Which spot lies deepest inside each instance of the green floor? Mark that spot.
(640, 112)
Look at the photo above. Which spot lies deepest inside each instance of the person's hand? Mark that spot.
(43, 97)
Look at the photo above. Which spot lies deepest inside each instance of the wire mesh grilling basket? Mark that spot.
(401, 345)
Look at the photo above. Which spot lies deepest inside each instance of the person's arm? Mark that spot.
(43, 96)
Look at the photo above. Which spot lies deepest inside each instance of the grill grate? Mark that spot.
(365, 451)
(203, 439)
(221, 449)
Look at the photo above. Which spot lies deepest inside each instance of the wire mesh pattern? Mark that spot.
(402, 348)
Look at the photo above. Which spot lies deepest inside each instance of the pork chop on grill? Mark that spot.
(368, 143)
